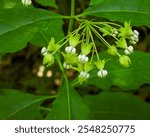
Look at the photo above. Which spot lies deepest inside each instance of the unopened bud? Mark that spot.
(125, 61)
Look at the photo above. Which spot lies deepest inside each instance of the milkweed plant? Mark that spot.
(94, 47)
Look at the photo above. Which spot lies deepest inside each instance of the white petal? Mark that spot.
(136, 32)
(44, 51)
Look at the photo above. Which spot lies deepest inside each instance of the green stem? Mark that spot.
(100, 37)
(72, 15)
(94, 45)
(66, 82)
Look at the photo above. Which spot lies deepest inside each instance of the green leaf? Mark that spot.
(136, 11)
(7, 4)
(93, 2)
(18, 26)
(50, 3)
(17, 105)
(117, 106)
(49, 29)
(126, 78)
(69, 105)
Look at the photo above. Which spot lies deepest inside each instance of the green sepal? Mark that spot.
(88, 66)
(100, 64)
(86, 48)
(74, 40)
(126, 31)
(52, 46)
(122, 43)
(81, 79)
(70, 58)
(125, 61)
(112, 50)
(106, 30)
(48, 60)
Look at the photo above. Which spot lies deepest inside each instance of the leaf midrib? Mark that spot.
(28, 105)
(113, 11)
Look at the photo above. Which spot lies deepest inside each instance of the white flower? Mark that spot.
(84, 74)
(66, 65)
(136, 32)
(83, 58)
(70, 50)
(44, 51)
(128, 50)
(102, 73)
(135, 37)
(26, 2)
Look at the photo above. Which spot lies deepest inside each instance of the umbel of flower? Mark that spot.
(26, 2)
(125, 61)
(48, 60)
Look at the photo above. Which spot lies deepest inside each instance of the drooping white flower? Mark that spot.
(26, 2)
(135, 37)
(83, 58)
(128, 50)
(70, 50)
(66, 65)
(102, 73)
(84, 74)
(44, 51)
(136, 32)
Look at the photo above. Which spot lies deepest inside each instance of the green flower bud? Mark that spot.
(122, 43)
(125, 61)
(48, 60)
(100, 64)
(52, 46)
(112, 50)
(86, 48)
(74, 40)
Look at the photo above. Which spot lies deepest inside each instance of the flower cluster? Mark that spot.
(82, 54)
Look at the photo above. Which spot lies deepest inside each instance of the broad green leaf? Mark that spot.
(69, 105)
(18, 26)
(136, 11)
(17, 105)
(117, 106)
(7, 4)
(50, 29)
(126, 78)
(50, 3)
(93, 2)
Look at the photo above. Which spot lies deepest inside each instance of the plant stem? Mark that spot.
(72, 15)
(67, 85)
